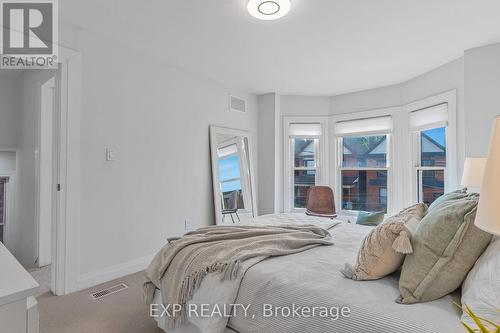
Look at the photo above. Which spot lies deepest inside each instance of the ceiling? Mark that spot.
(323, 47)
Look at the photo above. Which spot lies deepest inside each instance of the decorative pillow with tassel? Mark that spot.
(384, 248)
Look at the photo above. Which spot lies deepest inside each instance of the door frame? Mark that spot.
(66, 252)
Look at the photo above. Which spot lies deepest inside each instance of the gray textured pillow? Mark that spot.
(384, 248)
(445, 247)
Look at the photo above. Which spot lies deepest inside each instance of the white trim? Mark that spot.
(393, 177)
(452, 162)
(65, 253)
(113, 272)
(322, 178)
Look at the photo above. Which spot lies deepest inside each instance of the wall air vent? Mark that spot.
(237, 104)
(108, 291)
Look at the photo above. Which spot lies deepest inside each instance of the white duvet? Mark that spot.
(311, 279)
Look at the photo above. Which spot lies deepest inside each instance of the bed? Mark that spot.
(312, 279)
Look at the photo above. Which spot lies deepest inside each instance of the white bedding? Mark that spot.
(312, 279)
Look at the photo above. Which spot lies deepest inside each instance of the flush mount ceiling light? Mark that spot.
(268, 9)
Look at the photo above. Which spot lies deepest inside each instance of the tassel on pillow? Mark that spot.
(402, 243)
(383, 250)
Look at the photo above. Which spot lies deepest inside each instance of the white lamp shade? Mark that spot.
(488, 212)
(473, 171)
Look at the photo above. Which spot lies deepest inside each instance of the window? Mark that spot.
(363, 152)
(304, 143)
(363, 172)
(431, 164)
(304, 169)
(429, 127)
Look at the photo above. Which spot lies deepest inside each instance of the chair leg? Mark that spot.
(237, 216)
(232, 219)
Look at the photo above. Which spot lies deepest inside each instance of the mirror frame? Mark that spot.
(214, 130)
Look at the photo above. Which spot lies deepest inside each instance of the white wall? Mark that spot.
(366, 100)
(7, 161)
(444, 78)
(25, 244)
(441, 79)
(304, 105)
(267, 109)
(8, 113)
(482, 96)
(156, 117)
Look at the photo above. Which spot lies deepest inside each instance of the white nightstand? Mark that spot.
(18, 308)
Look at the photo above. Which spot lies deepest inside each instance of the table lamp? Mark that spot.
(473, 172)
(488, 211)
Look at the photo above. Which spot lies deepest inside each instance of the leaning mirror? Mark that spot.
(232, 175)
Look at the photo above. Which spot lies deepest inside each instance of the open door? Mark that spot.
(45, 176)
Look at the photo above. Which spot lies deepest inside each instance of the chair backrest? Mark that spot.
(320, 201)
(232, 201)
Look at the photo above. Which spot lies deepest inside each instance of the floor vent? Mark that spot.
(108, 291)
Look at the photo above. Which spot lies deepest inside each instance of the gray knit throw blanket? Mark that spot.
(180, 266)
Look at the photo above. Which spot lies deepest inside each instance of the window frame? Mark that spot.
(321, 157)
(316, 167)
(392, 163)
(388, 168)
(418, 168)
(454, 161)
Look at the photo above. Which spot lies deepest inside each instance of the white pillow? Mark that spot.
(481, 289)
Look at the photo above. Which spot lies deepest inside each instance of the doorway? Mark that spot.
(29, 148)
(65, 251)
(4, 198)
(46, 154)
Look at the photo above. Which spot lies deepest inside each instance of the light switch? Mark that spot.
(110, 155)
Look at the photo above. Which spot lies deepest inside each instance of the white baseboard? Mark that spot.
(114, 272)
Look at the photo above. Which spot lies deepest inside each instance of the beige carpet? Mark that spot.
(123, 312)
(42, 276)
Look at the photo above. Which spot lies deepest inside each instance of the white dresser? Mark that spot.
(18, 307)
